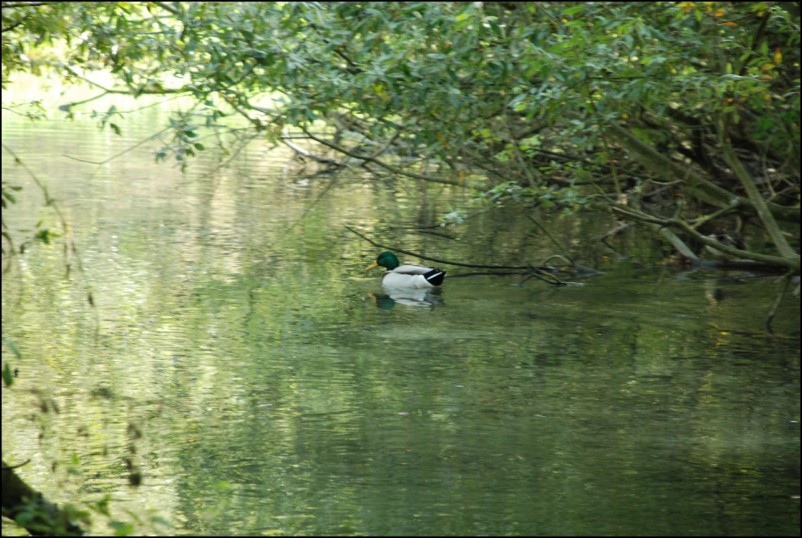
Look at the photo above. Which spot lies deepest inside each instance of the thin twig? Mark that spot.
(551, 238)
(121, 153)
(69, 242)
(773, 312)
(543, 272)
(12, 467)
(445, 262)
(393, 169)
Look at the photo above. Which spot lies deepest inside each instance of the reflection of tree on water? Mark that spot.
(408, 297)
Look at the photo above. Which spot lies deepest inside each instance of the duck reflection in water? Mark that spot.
(388, 300)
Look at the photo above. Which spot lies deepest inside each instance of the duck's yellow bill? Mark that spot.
(373, 265)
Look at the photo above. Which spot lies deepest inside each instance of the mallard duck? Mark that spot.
(408, 275)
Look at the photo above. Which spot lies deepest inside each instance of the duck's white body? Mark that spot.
(410, 276)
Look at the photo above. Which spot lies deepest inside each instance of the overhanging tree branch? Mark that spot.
(760, 205)
(789, 263)
(393, 169)
(698, 186)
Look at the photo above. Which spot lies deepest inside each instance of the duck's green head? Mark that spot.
(387, 260)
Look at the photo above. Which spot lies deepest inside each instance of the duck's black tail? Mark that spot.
(435, 277)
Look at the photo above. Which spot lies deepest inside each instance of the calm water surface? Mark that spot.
(240, 359)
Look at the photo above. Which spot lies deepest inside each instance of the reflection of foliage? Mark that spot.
(30, 510)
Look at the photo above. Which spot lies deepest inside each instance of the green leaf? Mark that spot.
(43, 236)
(8, 375)
(12, 347)
(571, 11)
(121, 528)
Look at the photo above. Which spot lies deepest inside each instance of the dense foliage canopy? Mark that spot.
(684, 116)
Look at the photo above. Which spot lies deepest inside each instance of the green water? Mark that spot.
(241, 361)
